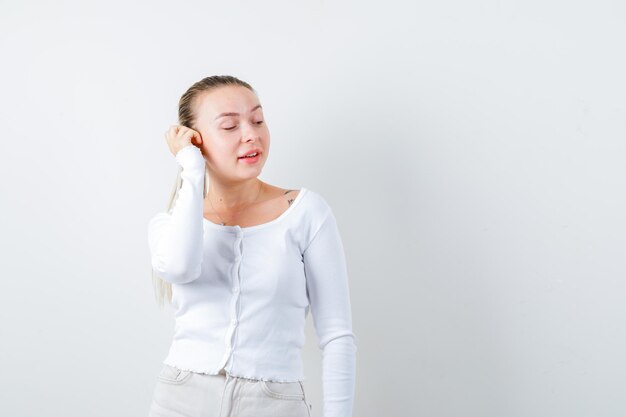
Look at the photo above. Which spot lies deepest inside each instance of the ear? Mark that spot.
(198, 137)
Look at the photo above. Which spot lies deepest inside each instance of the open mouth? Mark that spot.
(252, 155)
(250, 159)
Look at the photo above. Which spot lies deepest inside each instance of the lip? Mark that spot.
(257, 150)
(251, 161)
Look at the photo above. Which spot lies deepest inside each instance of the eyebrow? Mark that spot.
(258, 106)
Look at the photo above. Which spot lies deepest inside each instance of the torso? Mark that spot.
(273, 204)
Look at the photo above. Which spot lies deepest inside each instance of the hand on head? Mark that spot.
(178, 136)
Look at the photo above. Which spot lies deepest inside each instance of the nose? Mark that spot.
(250, 134)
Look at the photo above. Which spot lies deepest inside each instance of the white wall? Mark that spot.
(473, 153)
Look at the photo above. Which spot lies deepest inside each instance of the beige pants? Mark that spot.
(189, 394)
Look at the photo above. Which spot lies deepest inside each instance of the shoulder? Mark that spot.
(315, 202)
(318, 220)
(316, 212)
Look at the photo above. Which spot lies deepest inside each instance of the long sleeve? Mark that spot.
(329, 298)
(175, 238)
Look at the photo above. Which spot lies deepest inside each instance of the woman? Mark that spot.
(242, 262)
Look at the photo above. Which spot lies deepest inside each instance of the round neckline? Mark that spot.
(236, 228)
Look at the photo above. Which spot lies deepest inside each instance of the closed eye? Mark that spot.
(260, 122)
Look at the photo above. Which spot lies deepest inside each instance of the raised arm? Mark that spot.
(329, 299)
(175, 238)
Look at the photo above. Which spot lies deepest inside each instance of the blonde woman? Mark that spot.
(242, 262)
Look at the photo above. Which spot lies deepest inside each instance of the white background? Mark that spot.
(473, 153)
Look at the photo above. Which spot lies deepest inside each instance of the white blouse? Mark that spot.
(241, 294)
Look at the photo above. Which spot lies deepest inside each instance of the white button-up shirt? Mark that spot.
(241, 294)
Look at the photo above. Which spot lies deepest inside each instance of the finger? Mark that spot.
(181, 131)
(198, 137)
(190, 134)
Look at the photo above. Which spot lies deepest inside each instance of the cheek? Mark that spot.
(214, 144)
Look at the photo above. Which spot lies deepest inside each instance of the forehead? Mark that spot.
(225, 99)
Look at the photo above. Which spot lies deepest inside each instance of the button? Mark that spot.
(236, 289)
(234, 321)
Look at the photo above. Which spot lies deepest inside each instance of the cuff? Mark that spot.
(190, 157)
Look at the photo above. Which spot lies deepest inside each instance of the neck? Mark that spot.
(231, 196)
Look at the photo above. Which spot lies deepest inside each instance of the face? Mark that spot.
(231, 123)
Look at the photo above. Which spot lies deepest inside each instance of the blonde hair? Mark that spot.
(187, 118)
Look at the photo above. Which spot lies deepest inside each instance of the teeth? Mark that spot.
(251, 155)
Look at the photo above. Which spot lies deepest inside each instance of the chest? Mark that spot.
(253, 215)
(262, 266)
